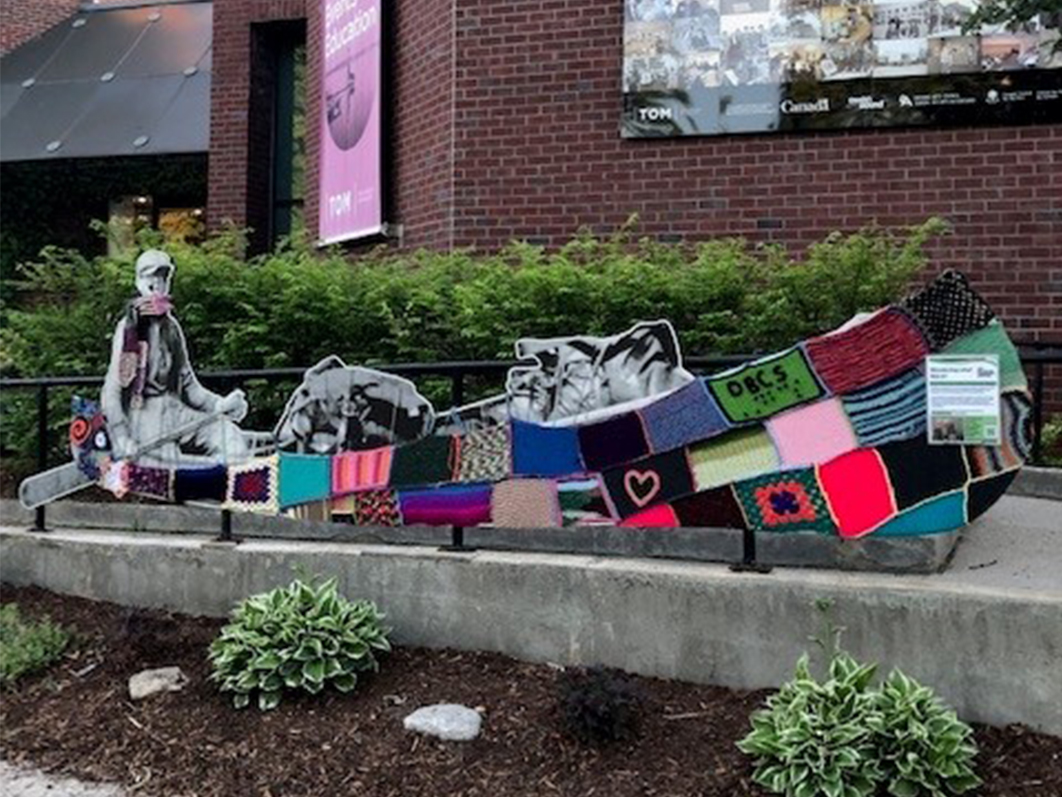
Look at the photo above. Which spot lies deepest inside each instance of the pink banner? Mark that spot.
(350, 191)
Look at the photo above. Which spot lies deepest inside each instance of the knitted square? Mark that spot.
(716, 508)
(993, 339)
(303, 478)
(811, 434)
(582, 503)
(885, 344)
(657, 517)
(683, 417)
(200, 484)
(918, 471)
(361, 470)
(610, 442)
(981, 495)
(431, 460)
(894, 409)
(858, 492)
(786, 501)
(941, 514)
(457, 505)
(733, 456)
(765, 387)
(545, 450)
(253, 486)
(486, 455)
(646, 482)
(525, 503)
(946, 309)
(152, 482)
(375, 508)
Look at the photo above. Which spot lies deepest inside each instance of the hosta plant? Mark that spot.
(301, 637)
(924, 748)
(814, 737)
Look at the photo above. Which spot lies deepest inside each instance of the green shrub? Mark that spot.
(844, 737)
(923, 747)
(26, 646)
(299, 637)
(814, 738)
(296, 305)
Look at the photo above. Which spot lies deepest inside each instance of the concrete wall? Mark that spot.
(994, 654)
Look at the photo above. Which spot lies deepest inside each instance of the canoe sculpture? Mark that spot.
(827, 436)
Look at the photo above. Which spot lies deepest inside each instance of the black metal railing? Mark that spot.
(1034, 356)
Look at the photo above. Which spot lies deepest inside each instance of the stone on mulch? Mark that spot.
(447, 721)
(150, 682)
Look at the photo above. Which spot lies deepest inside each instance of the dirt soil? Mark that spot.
(77, 720)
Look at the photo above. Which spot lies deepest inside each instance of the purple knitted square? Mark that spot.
(611, 442)
(686, 416)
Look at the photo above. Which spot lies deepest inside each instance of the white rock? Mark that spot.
(447, 721)
(150, 682)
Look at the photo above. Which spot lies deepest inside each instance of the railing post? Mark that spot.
(1038, 413)
(457, 398)
(39, 521)
(226, 526)
(748, 563)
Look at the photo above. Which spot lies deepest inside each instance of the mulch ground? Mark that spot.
(77, 720)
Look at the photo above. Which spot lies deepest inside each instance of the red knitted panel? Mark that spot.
(883, 346)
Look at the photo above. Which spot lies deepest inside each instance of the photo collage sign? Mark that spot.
(710, 67)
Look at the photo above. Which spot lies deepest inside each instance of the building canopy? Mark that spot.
(131, 80)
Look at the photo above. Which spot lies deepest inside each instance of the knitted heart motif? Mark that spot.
(641, 486)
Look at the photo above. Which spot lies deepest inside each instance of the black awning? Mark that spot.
(110, 81)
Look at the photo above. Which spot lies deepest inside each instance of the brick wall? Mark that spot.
(538, 154)
(22, 20)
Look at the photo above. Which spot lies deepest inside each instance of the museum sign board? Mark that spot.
(351, 205)
(710, 67)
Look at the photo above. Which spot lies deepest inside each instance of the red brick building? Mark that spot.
(504, 120)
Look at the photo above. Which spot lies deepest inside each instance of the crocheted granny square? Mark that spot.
(786, 501)
(252, 487)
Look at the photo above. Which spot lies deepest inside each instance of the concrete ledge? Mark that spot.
(1038, 483)
(922, 554)
(993, 653)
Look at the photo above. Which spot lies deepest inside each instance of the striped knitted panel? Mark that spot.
(361, 470)
(737, 455)
(886, 344)
(1016, 407)
(993, 339)
(946, 309)
(460, 505)
(894, 409)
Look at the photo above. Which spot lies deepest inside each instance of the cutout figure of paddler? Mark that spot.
(151, 391)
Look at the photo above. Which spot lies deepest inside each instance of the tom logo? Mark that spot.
(653, 114)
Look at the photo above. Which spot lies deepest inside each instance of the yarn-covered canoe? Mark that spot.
(827, 436)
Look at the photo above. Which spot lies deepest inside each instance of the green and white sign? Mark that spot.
(962, 399)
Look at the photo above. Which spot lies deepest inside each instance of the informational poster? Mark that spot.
(350, 193)
(711, 67)
(963, 399)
